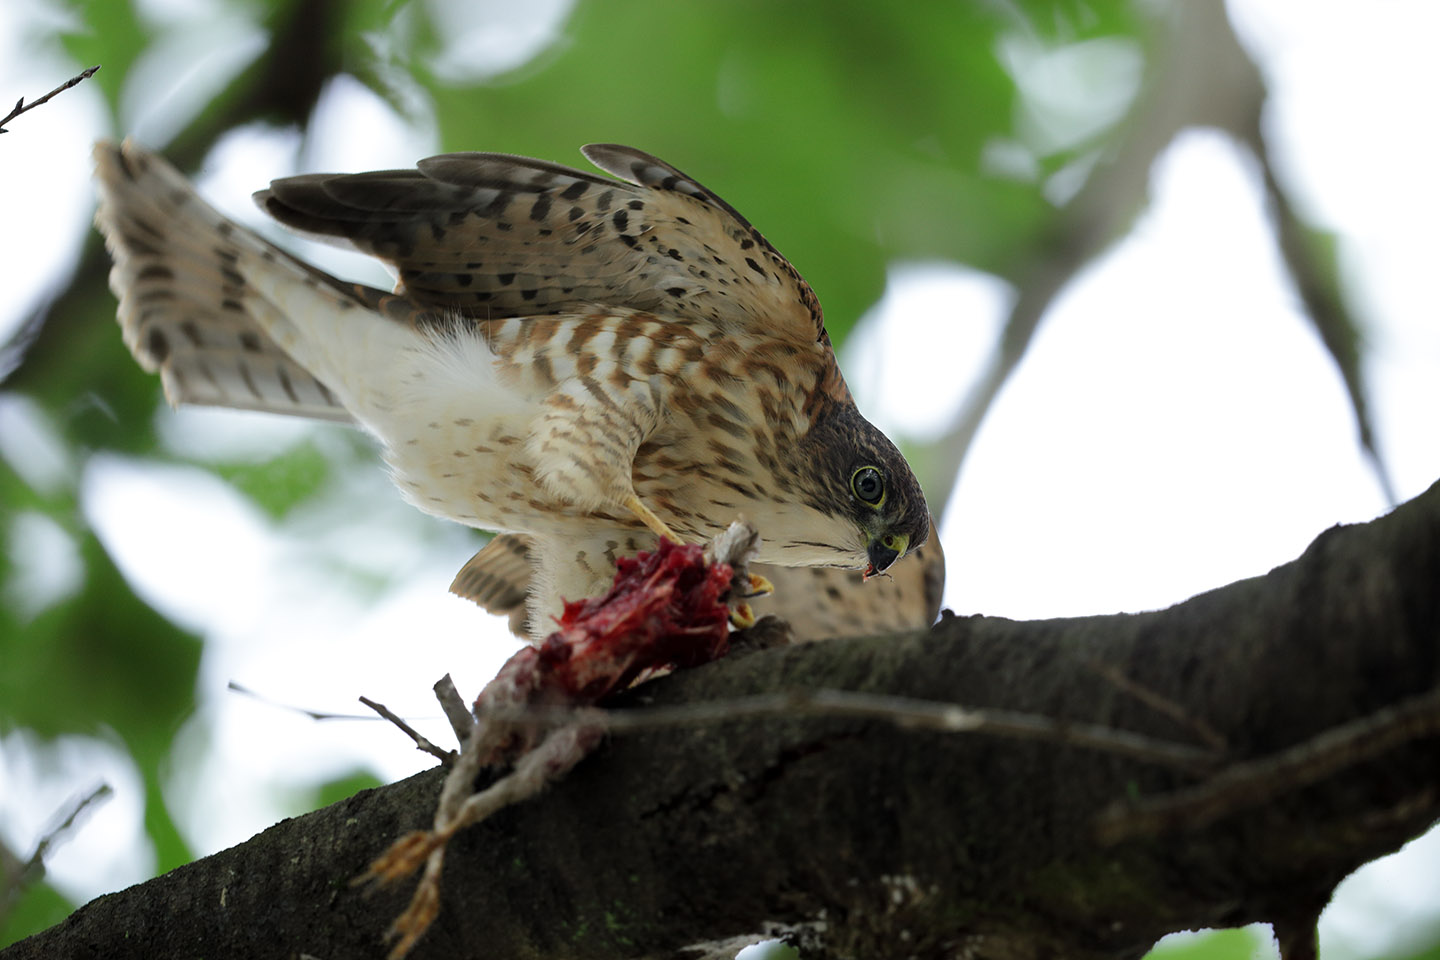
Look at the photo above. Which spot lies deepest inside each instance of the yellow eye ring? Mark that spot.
(868, 485)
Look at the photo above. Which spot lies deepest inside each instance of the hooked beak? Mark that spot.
(883, 551)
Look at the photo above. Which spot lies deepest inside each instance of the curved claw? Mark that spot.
(759, 587)
(742, 617)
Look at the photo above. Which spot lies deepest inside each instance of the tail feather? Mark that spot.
(208, 304)
(498, 579)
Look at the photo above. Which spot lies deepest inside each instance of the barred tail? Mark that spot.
(213, 307)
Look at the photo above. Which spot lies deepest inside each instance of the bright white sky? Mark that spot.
(1177, 426)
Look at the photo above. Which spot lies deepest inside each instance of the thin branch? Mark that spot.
(34, 868)
(1311, 261)
(304, 711)
(905, 712)
(1248, 784)
(21, 106)
(99, 794)
(422, 744)
(461, 720)
(1199, 75)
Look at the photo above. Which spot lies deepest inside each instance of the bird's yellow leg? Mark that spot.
(741, 615)
(647, 517)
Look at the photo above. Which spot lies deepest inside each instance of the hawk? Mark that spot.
(581, 360)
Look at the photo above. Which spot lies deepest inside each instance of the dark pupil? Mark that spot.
(867, 486)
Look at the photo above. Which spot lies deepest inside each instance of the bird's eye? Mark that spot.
(868, 485)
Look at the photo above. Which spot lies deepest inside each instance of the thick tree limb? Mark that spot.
(860, 839)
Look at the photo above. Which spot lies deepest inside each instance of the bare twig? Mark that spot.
(21, 106)
(1257, 781)
(98, 794)
(34, 868)
(421, 743)
(304, 711)
(902, 711)
(461, 720)
(1310, 258)
(1160, 704)
(1199, 75)
(445, 756)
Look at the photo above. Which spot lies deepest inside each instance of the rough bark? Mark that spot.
(857, 838)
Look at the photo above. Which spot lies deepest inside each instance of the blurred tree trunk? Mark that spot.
(857, 838)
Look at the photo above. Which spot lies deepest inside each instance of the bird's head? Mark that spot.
(862, 480)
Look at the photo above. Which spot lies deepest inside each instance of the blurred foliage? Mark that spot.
(854, 134)
(102, 659)
(281, 483)
(900, 100)
(38, 907)
(1245, 943)
(1431, 953)
(333, 791)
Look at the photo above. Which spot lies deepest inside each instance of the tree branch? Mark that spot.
(855, 838)
(22, 107)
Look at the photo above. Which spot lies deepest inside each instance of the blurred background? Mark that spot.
(1141, 288)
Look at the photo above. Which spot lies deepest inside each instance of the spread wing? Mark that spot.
(493, 235)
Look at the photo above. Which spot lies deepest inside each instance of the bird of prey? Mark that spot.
(581, 360)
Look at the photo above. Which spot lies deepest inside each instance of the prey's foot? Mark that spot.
(742, 617)
(647, 517)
